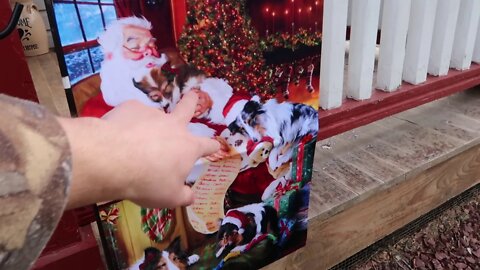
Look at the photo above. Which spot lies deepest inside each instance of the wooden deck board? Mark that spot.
(327, 194)
(449, 123)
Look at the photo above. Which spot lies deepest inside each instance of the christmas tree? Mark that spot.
(219, 39)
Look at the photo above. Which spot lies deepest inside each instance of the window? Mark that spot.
(79, 24)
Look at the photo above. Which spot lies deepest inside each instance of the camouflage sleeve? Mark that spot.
(35, 171)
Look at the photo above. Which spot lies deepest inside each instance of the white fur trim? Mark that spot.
(220, 92)
(235, 111)
(234, 221)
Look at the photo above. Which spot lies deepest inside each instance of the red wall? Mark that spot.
(15, 79)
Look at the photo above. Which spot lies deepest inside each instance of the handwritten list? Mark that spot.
(210, 190)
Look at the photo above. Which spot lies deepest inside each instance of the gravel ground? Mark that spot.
(450, 241)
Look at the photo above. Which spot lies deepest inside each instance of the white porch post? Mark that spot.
(395, 20)
(443, 34)
(365, 14)
(465, 34)
(419, 41)
(333, 53)
(476, 52)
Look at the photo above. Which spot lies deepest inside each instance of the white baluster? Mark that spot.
(361, 61)
(419, 41)
(333, 53)
(465, 34)
(443, 35)
(392, 44)
(476, 52)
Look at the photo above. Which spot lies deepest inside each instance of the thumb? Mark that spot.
(207, 146)
(185, 196)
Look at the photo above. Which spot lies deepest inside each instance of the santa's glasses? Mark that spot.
(134, 45)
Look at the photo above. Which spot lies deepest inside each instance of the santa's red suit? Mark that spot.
(250, 183)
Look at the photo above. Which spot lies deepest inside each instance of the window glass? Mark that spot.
(109, 14)
(68, 25)
(97, 58)
(78, 65)
(91, 20)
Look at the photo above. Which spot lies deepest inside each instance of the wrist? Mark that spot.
(93, 180)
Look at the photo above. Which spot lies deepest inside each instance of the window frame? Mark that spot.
(86, 44)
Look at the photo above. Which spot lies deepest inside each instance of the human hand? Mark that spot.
(222, 153)
(137, 153)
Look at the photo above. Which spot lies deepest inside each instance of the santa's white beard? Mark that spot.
(117, 76)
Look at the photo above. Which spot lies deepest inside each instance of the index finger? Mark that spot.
(185, 109)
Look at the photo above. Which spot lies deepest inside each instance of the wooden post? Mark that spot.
(443, 35)
(419, 42)
(333, 53)
(392, 44)
(365, 14)
(465, 34)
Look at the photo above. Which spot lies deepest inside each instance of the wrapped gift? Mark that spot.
(157, 223)
(285, 226)
(284, 199)
(302, 161)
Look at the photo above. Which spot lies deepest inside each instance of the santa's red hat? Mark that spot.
(236, 218)
(235, 105)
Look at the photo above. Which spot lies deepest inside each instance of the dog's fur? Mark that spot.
(172, 258)
(286, 123)
(166, 91)
(260, 218)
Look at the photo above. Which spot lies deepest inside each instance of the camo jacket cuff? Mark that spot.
(35, 172)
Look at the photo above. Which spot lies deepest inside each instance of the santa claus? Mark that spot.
(130, 52)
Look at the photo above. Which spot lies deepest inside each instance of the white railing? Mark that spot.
(418, 37)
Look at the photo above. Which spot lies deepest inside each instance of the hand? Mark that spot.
(222, 153)
(137, 153)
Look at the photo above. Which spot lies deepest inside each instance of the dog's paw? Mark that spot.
(193, 259)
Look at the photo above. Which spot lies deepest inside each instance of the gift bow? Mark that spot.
(110, 217)
(282, 190)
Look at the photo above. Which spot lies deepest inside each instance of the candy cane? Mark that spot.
(310, 69)
(299, 74)
(286, 93)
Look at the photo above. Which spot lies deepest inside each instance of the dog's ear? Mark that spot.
(186, 72)
(251, 109)
(175, 246)
(234, 128)
(139, 86)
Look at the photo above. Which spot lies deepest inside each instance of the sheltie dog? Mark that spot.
(241, 225)
(167, 88)
(172, 258)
